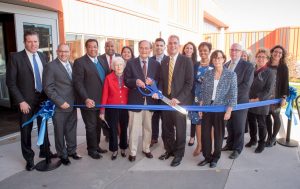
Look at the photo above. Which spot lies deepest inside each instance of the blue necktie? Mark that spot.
(38, 81)
(100, 69)
(69, 70)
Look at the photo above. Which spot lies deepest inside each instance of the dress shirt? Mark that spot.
(39, 62)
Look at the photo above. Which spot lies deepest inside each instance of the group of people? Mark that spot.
(114, 78)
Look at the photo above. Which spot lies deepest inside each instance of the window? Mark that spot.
(75, 43)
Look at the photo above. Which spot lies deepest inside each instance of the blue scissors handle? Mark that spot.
(151, 92)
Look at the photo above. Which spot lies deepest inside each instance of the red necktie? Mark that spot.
(144, 68)
(110, 61)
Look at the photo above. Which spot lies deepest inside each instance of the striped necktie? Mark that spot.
(170, 76)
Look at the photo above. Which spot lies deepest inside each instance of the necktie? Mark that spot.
(38, 81)
(144, 68)
(100, 69)
(170, 76)
(69, 70)
(110, 62)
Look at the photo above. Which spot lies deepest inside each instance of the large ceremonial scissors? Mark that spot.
(152, 89)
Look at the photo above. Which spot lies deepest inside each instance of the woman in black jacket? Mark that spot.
(261, 89)
(278, 65)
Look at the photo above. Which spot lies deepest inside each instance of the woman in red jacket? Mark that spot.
(115, 92)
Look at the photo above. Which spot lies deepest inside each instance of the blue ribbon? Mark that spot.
(46, 112)
(289, 108)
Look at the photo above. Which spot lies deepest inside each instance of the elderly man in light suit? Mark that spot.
(58, 86)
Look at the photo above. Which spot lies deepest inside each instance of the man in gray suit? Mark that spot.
(58, 85)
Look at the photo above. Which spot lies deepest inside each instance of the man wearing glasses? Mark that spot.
(236, 125)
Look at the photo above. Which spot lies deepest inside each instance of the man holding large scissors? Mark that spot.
(176, 82)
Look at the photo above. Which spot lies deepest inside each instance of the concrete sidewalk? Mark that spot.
(275, 168)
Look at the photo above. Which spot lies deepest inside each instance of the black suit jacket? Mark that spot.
(58, 85)
(245, 73)
(86, 80)
(132, 72)
(182, 80)
(20, 78)
(164, 57)
(103, 57)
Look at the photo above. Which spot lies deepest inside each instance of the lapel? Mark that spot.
(62, 68)
(104, 64)
(27, 61)
(177, 66)
(42, 58)
(239, 67)
(92, 66)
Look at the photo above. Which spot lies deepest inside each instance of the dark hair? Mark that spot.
(282, 59)
(215, 55)
(194, 55)
(160, 39)
(127, 47)
(89, 41)
(30, 32)
(202, 44)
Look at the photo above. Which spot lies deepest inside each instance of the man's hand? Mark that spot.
(140, 83)
(65, 105)
(24, 107)
(89, 103)
(155, 96)
(283, 102)
(149, 81)
(174, 102)
(101, 116)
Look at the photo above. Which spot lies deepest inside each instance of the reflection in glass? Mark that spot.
(45, 36)
(74, 42)
(3, 88)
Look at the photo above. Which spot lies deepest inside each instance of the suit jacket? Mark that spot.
(103, 57)
(262, 87)
(182, 80)
(58, 85)
(132, 72)
(86, 80)
(244, 72)
(164, 57)
(226, 93)
(20, 78)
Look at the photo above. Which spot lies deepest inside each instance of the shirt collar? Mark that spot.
(92, 59)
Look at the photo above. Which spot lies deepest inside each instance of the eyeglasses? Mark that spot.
(235, 50)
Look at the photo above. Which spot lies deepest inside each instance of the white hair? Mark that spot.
(117, 59)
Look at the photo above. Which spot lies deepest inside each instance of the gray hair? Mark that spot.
(117, 59)
(174, 36)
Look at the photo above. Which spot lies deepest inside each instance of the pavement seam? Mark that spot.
(229, 170)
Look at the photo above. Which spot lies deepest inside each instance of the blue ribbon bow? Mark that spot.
(290, 98)
(46, 112)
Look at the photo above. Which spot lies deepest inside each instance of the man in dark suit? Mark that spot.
(176, 82)
(109, 53)
(89, 72)
(139, 72)
(236, 125)
(159, 56)
(58, 85)
(24, 82)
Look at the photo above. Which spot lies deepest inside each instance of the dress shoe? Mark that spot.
(176, 161)
(226, 148)
(65, 161)
(114, 155)
(51, 155)
(75, 156)
(131, 158)
(191, 142)
(94, 155)
(260, 148)
(101, 151)
(29, 166)
(165, 156)
(123, 153)
(251, 143)
(153, 141)
(213, 164)
(204, 162)
(235, 154)
(271, 142)
(148, 154)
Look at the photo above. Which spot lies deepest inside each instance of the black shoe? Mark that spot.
(51, 155)
(176, 161)
(114, 155)
(260, 148)
(226, 148)
(204, 162)
(65, 161)
(251, 143)
(235, 154)
(271, 142)
(165, 156)
(94, 155)
(75, 156)
(29, 166)
(101, 151)
(123, 153)
(131, 158)
(213, 164)
(191, 143)
(148, 154)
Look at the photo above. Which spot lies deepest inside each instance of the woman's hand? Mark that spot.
(227, 115)
(101, 116)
